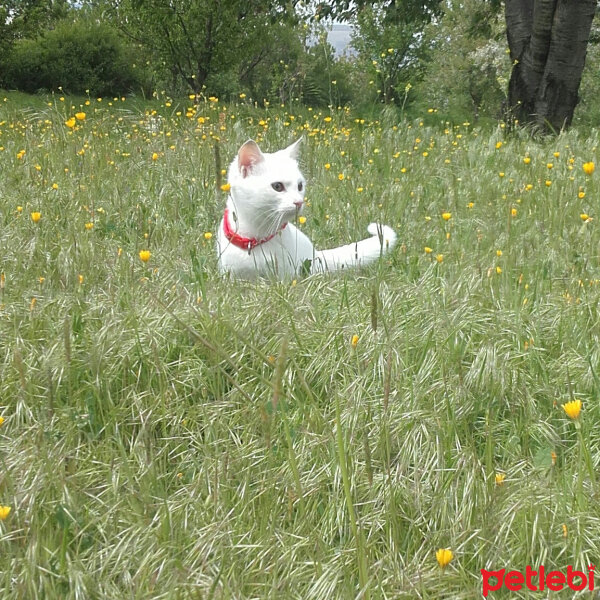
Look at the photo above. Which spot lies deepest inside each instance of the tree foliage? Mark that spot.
(467, 67)
(26, 18)
(391, 50)
(23, 19)
(393, 11)
(192, 40)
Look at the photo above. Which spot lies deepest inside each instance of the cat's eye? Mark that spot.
(300, 186)
(278, 186)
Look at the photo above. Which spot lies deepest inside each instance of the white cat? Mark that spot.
(256, 237)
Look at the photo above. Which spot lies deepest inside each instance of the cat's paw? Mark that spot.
(386, 234)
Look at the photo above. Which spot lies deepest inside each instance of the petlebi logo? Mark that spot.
(538, 581)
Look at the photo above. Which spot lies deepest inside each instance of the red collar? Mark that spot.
(243, 242)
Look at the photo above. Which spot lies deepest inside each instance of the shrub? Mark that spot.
(467, 74)
(77, 55)
(588, 110)
(325, 78)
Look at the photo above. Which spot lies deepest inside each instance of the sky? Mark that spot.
(339, 36)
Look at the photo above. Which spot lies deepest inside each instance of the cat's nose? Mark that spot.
(298, 203)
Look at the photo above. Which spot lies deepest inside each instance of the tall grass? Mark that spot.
(170, 433)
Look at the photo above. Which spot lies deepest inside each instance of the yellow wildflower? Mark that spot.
(4, 512)
(444, 556)
(145, 255)
(572, 408)
(588, 168)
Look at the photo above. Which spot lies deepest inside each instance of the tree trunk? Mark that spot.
(548, 43)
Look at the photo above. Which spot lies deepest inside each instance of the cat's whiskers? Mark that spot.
(278, 216)
(265, 220)
(271, 221)
(274, 220)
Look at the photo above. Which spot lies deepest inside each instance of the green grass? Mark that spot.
(173, 434)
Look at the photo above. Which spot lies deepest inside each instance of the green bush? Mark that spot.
(467, 72)
(77, 55)
(326, 79)
(588, 109)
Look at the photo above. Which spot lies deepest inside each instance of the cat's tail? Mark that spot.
(383, 239)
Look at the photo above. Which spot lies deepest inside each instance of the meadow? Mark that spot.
(169, 433)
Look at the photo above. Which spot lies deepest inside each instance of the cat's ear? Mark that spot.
(249, 155)
(293, 151)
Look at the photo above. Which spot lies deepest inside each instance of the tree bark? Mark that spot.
(548, 44)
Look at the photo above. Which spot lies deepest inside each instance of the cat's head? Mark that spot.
(270, 185)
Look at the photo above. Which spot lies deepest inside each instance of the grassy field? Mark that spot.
(172, 434)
